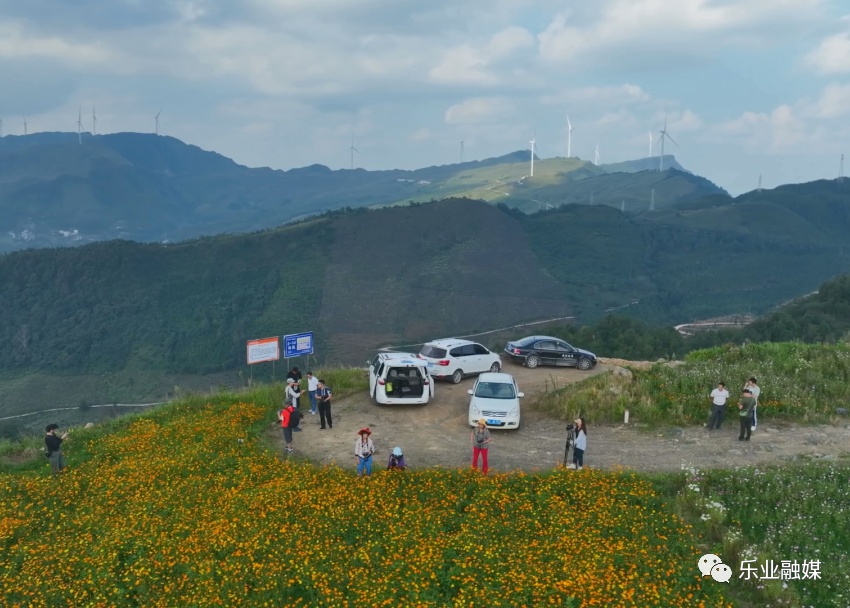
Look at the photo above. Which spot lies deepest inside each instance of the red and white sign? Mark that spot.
(266, 349)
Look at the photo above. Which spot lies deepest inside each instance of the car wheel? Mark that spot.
(584, 364)
(457, 376)
(495, 368)
(532, 361)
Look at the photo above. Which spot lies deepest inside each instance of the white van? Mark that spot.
(399, 378)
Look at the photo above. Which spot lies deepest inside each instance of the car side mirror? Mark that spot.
(469, 392)
(520, 395)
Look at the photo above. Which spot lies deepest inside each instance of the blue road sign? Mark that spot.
(296, 345)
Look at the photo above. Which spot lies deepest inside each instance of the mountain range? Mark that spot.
(64, 189)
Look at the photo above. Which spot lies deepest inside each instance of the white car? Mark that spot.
(396, 378)
(454, 358)
(495, 398)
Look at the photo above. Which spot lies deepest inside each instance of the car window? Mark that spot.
(433, 352)
(480, 350)
(495, 390)
(544, 345)
(376, 361)
(563, 347)
(467, 349)
(380, 369)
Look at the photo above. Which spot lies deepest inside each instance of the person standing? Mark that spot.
(481, 445)
(323, 395)
(580, 444)
(53, 443)
(292, 395)
(396, 460)
(363, 449)
(312, 387)
(294, 374)
(755, 390)
(746, 406)
(719, 397)
(289, 419)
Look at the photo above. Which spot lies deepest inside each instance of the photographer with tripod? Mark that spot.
(577, 436)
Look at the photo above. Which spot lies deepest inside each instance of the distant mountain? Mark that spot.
(652, 163)
(55, 191)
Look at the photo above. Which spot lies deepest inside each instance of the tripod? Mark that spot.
(571, 439)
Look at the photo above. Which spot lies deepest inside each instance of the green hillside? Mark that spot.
(135, 320)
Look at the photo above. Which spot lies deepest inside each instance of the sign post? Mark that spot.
(295, 345)
(264, 349)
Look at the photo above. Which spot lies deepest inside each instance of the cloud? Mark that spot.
(17, 43)
(834, 101)
(832, 55)
(779, 131)
(480, 110)
(632, 31)
(594, 96)
(477, 65)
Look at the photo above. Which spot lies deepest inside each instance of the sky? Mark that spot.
(748, 88)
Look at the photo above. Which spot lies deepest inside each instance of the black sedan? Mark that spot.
(545, 350)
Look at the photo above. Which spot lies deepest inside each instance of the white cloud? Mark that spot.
(833, 102)
(18, 43)
(480, 110)
(832, 55)
(626, 30)
(779, 131)
(595, 96)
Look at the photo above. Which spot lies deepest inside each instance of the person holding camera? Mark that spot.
(580, 445)
(746, 407)
(363, 449)
(480, 445)
(53, 443)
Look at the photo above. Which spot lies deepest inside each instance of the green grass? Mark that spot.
(799, 383)
(794, 513)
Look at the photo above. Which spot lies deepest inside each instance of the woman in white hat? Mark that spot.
(396, 460)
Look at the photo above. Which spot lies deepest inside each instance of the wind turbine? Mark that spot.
(663, 135)
(80, 126)
(596, 156)
(532, 142)
(1, 127)
(353, 150)
(650, 144)
(569, 137)
(93, 121)
(25, 125)
(156, 121)
(461, 151)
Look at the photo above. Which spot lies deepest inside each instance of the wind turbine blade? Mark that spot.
(671, 139)
(569, 125)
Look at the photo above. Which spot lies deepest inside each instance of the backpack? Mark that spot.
(294, 418)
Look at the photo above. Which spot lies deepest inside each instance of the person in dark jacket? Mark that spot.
(746, 407)
(53, 443)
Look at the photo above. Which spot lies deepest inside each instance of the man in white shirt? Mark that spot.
(719, 397)
(753, 386)
(312, 387)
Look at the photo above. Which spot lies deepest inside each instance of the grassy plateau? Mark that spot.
(191, 504)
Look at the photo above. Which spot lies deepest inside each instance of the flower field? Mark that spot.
(188, 508)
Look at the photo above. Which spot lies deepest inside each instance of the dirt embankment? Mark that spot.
(437, 434)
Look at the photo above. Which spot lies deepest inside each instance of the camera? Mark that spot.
(571, 427)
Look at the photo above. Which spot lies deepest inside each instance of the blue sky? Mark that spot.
(748, 87)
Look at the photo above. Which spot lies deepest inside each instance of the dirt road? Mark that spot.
(437, 434)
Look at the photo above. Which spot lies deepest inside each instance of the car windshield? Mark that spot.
(495, 390)
(433, 352)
